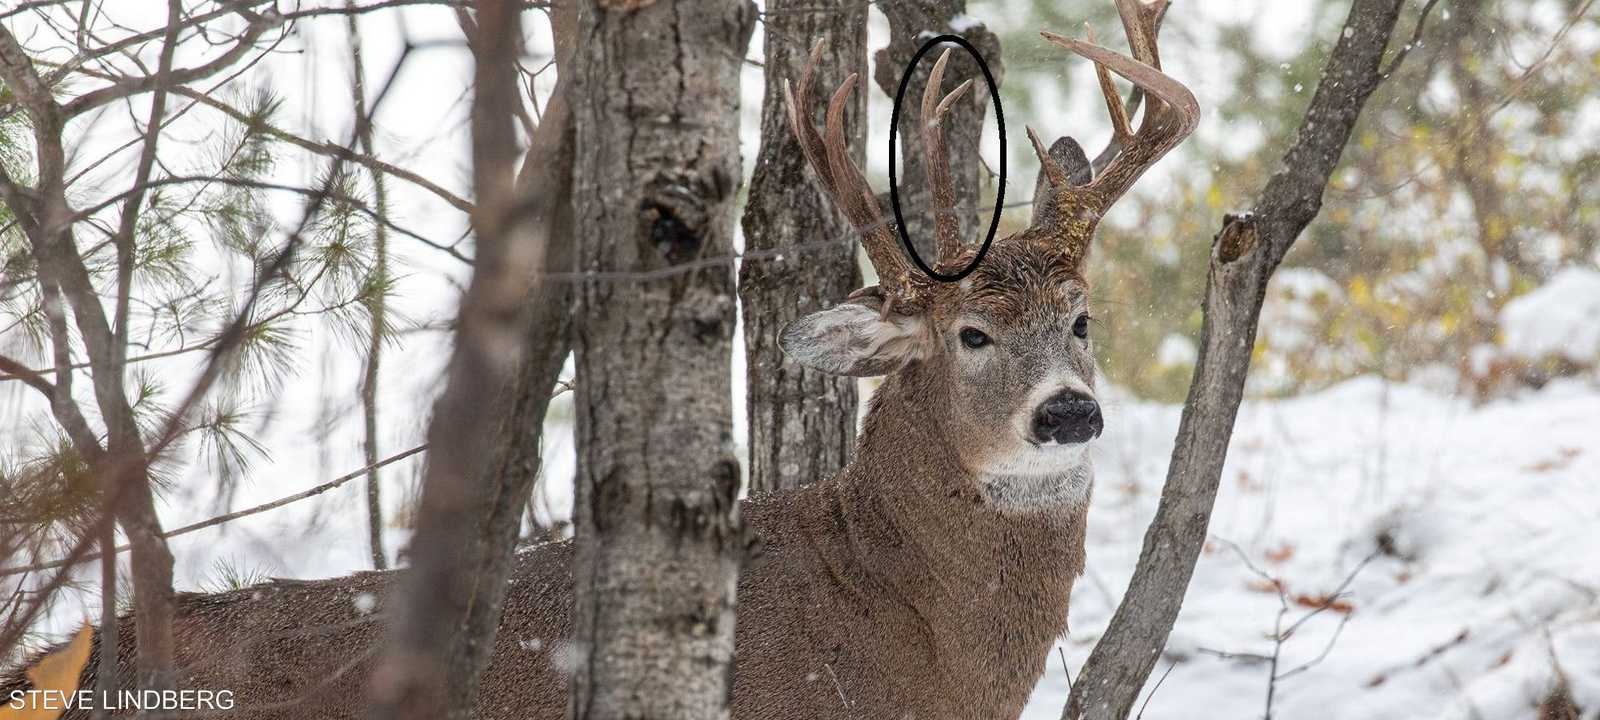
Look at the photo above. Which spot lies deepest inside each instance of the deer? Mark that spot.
(930, 577)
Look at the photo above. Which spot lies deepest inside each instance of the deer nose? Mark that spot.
(1067, 417)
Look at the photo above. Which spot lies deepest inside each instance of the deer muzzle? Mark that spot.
(1067, 418)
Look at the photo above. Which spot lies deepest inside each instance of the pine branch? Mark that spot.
(326, 148)
(329, 194)
(223, 519)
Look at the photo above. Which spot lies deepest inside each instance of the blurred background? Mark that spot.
(1456, 245)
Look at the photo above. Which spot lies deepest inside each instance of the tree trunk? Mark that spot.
(518, 450)
(802, 422)
(449, 602)
(659, 542)
(1243, 256)
(107, 672)
(910, 22)
(123, 470)
(378, 323)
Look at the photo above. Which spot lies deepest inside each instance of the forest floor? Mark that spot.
(1482, 525)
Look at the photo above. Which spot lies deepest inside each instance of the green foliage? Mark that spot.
(205, 232)
(233, 574)
(50, 496)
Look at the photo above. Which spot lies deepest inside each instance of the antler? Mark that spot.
(936, 161)
(843, 180)
(1170, 114)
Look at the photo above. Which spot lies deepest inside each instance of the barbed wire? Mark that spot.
(777, 254)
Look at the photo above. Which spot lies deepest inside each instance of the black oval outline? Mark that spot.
(894, 180)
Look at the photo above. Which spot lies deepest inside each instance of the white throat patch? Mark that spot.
(1020, 492)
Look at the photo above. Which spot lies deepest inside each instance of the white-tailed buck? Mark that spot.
(930, 577)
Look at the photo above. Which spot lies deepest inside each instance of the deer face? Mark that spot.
(1002, 361)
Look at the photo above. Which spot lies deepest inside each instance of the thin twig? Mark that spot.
(1416, 39)
(1153, 690)
(1064, 669)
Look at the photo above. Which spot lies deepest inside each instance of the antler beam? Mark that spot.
(830, 159)
(1171, 112)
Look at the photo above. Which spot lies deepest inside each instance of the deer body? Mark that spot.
(859, 600)
(884, 594)
(930, 577)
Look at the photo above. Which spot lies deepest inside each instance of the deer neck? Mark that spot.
(919, 524)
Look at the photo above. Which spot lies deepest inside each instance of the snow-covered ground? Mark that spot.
(1485, 585)
(1482, 524)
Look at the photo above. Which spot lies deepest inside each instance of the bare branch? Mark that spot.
(328, 149)
(17, 371)
(135, 196)
(128, 86)
(1244, 254)
(1416, 39)
(227, 518)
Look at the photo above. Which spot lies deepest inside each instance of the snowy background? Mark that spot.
(1479, 518)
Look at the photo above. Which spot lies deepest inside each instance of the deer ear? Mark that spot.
(854, 338)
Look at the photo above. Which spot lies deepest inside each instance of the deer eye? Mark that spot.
(973, 338)
(1080, 327)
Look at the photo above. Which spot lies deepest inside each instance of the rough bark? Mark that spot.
(1243, 256)
(909, 23)
(419, 677)
(659, 543)
(802, 422)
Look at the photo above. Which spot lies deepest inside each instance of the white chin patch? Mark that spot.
(1049, 476)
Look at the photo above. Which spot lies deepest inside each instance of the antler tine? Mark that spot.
(830, 160)
(799, 105)
(1054, 174)
(1171, 112)
(1139, 22)
(936, 161)
(860, 205)
(1121, 128)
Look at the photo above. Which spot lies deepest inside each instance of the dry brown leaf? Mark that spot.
(1265, 586)
(57, 672)
(1332, 603)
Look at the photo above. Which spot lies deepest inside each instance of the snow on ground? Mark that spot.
(1484, 520)
(1486, 577)
(1557, 319)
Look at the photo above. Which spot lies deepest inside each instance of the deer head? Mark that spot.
(1001, 359)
